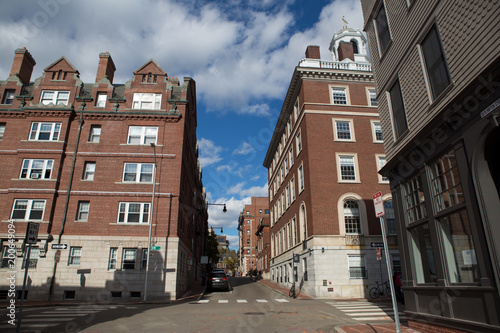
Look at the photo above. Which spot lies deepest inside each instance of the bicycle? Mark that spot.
(380, 290)
(292, 293)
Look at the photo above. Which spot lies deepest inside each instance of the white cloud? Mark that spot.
(236, 189)
(244, 149)
(209, 152)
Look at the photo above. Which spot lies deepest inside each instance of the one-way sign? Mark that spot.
(32, 233)
(59, 246)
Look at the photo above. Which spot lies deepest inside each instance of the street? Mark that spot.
(249, 307)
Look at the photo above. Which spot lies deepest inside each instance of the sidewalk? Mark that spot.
(345, 328)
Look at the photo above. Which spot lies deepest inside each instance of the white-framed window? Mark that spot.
(352, 217)
(300, 171)
(8, 96)
(142, 135)
(144, 258)
(28, 209)
(381, 161)
(299, 143)
(296, 109)
(292, 189)
(291, 156)
(129, 258)
(382, 29)
(339, 96)
(44, 131)
(133, 212)
(36, 169)
(89, 171)
(83, 211)
(75, 253)
(146, 101)
(2, 130)
(55, 97)
(248, 231)
(343, 130)
(347, 168)
(287, 196)
(372, 97)
(113, 253)
(34, 256)
(95, 133)
(138, 172)
(294, 228)
(377, 131)
(397, 110)
(357, 266)
(101, 100)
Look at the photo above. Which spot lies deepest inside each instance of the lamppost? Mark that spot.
(150, 223)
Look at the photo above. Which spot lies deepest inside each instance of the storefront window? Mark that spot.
(423, 255)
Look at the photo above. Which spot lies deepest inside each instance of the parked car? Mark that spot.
(218, 280)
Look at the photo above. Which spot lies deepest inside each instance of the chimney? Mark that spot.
(106, 67)
(312, 52)
(23, 65)
(345, 50)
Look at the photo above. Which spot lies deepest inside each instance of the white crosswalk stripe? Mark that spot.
(242, 301)
(366, 311)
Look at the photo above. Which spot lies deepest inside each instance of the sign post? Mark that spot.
(379, 211)
(31, 238)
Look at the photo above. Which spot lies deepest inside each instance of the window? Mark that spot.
(347, 168)
(382, 29)
(112, 258)
(301, 178)
(372, 96)
(146, 101)
(8, 254)
(248, 231)
(100, 100)
(27, 209)
(294, 228)
(95, 133)
(248, 251)
(398, 112)
(132, 212)
(357, 266)
(138, 172)
(381, 161)
(83, 211)
(129, 258)
(414, 200)
(2, 130)
(8, 97)
(138, 135)
(89, 172)
(75, 253)
(299, 143)
(390, 218)
(423, 254)
(36, 169)
(304, 266)
(339, 96)
(377, 132)
(292, 188)
(55, 97)
(342, 130)
(248, 241)
(291, 156)
(352, 217)
(445, 182)
(297, 110)
(435, 63)
(45, 131)
(34, 256)
(144, 257)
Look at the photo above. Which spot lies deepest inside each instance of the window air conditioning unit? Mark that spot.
(35, 176)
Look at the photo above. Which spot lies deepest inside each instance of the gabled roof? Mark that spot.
(152, 67)
(61, 63)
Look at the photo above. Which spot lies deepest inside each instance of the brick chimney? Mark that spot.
(106, 67)
(312, 52)
(23, 65)
(345, 50)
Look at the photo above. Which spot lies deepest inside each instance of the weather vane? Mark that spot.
(345, 22)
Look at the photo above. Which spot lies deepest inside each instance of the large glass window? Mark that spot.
(45, 131)
(382, 29)
(138, 172)
(75, 253)
(141, 135)
(146, 101)
(435, 63)
(36, 169)
(414, 200)
(423, 255)
(445, 182)
(357, 266)
(129, 258)
(27, 209)
(399, 121)
(132, 212)
(347, 168)
(351, 217)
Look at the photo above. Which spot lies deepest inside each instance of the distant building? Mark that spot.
(248, 223)
(437, 69)
(263, 255)
(323, 160)
(79, 159)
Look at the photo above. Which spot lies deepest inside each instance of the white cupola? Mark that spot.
(349, 45)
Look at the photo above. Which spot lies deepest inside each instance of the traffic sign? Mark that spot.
(59, 246)
(32, 233)
(57, 256)
(379, 204)
(379, 254)
(155, 248)
(377, 244)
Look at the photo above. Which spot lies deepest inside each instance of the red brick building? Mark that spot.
(80, 159)
(263, 247)
(248, 223)
(323, 160)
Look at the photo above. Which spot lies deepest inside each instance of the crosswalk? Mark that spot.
(366, 311)
(241, 301)
(56, 316)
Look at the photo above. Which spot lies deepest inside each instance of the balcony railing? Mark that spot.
(354, 240)
(316, 63)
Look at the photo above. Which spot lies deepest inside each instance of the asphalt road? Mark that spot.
(248, 307)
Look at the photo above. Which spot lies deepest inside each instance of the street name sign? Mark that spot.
(377, 244)
(155, 248)
(59, 246)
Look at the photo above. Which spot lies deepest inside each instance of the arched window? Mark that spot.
(303, 223)
(354, 46)
(389, 218)
(351, 217)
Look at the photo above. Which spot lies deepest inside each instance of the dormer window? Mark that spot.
(54, 97)
(101, 100)
(8, 97)
(146, 101)
(59, 75)
(149, 78)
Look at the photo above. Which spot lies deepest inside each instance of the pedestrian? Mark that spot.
(397, 286)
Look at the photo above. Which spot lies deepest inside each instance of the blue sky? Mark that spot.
(241, 53)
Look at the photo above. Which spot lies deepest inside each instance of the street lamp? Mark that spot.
(150, 223)
(214, 204)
